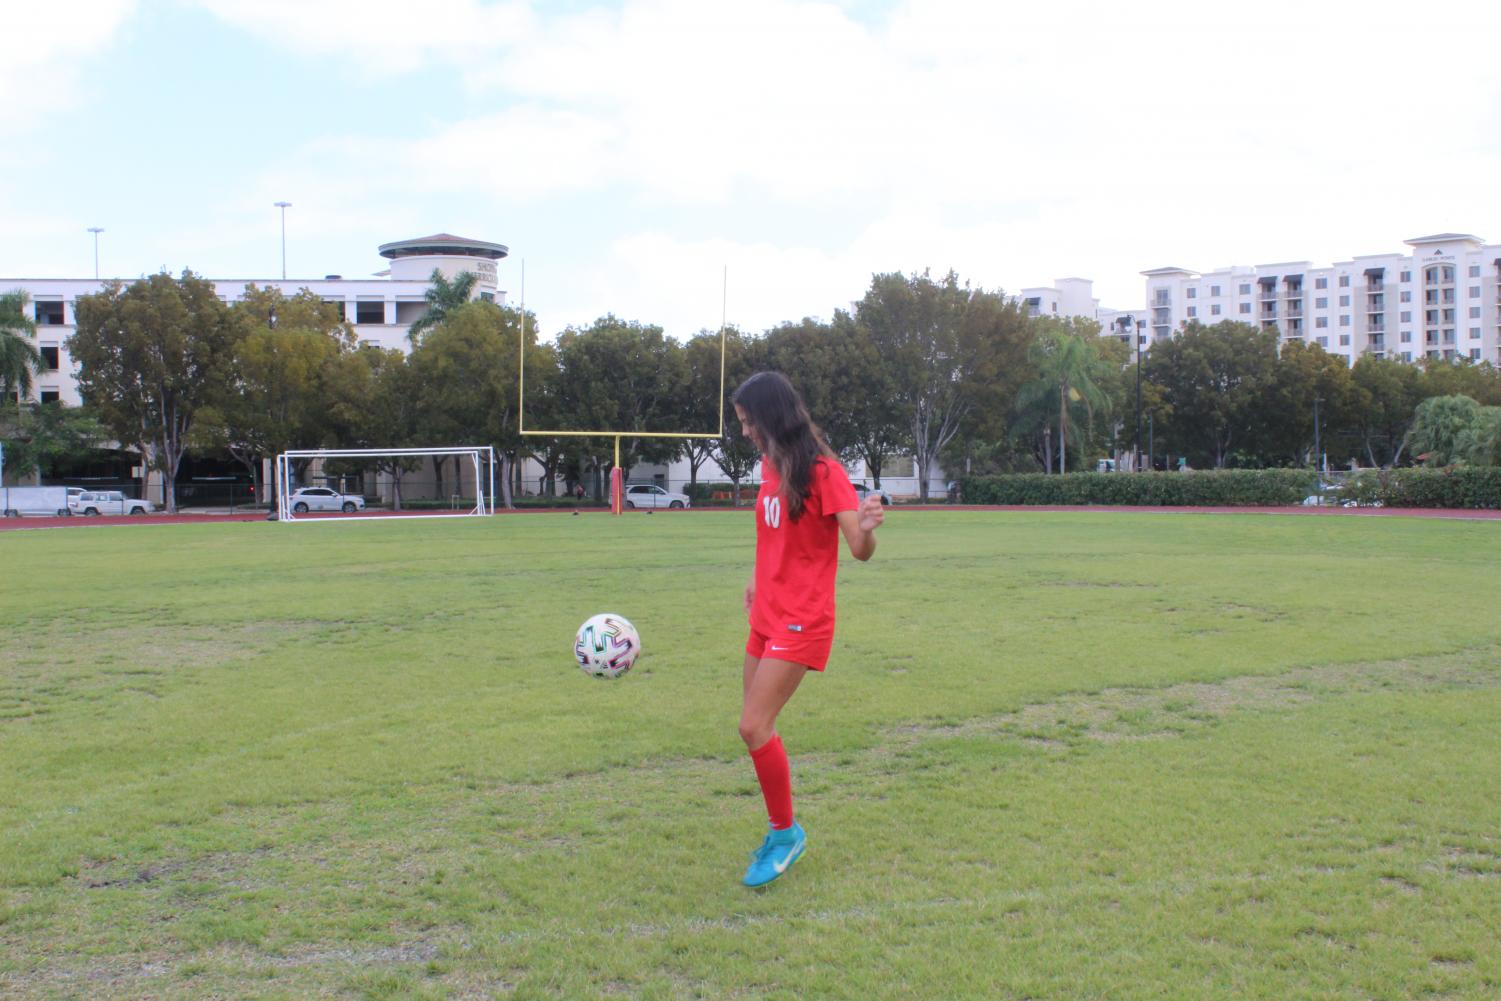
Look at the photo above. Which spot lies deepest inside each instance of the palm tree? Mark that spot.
(18, 356)
(1066, 364)
(443, 298)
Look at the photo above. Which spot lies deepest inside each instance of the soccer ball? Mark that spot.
(606, 646)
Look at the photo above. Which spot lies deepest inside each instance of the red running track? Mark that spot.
(1456, 514)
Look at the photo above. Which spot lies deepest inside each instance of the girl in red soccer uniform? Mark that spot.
(805, 504)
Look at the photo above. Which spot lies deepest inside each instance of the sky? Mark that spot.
(668, 161)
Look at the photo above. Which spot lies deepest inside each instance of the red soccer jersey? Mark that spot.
(796, 560)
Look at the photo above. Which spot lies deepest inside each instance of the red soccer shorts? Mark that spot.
(810, 651)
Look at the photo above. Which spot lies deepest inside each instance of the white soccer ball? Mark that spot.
(606, 646)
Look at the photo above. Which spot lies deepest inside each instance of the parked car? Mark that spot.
(862, 491)
(99, 502)
(650, 495)
(305, 499)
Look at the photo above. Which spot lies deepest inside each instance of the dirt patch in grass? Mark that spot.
(1117, 714)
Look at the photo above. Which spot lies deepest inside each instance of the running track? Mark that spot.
(1452, 514)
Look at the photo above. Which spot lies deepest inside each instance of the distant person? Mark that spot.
(804, 504)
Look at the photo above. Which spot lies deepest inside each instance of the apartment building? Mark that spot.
(1441, 300)
(381, 308)
(1075, 297)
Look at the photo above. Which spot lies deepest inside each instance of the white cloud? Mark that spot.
(1014, 143)
(48, 42)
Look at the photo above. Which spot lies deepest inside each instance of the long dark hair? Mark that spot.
(792, 441)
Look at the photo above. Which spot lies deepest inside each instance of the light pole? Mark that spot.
(1140, 326)
(96, 230)
(1130, 326)
(1318, 473)
(283, 206)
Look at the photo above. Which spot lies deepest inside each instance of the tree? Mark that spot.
(932, 336)
(1438, 428)
(42, 436)
(850, 390)
(19, 358)
(275, 398)
(372, 402)
(466, 373)
(1480, 443)
(1069, 369)
(1387, 393)
(735, 454)
(152, 356)
(702, 406)
(444, 298)
(624, 376)
(1214, 379)
(1306, 373)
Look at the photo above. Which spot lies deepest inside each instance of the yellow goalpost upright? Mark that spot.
(617, 478)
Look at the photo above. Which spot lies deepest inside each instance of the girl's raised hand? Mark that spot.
(872, 513)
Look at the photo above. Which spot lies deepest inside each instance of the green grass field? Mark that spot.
(1056, 755)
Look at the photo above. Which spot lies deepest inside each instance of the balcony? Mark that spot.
(1378, 342)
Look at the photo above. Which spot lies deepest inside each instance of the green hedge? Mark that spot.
(1196, 488)
(1456, 487)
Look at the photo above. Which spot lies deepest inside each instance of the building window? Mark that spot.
(1193, 293)
(1344, 281)
(1321, 321)
(1474, 333)
(1407, 295)
(1405, 316)
(49, 314)
(1344, 340)
(1214, 290)
(1430, 336)
(1448, 273)
(1475, 354)
(1245, 307)
(1430, 315)
(49, 357)
(50, 396)
(1321, 283)
(370, 312)
(1407, 277)
(1448, 335)
(1407, 356)
(1474, 271)
(1407, 337)
(1344, 300)
(1193, 310)
(1323, 342)
(1245, 288)
(1214, 310)
(1322, 302)
(1344, 321)
(1474, 312)
(1474, 291)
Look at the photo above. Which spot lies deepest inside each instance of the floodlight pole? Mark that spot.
(96, 230)
(283, 206)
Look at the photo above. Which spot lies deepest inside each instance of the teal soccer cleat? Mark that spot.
(776, 855)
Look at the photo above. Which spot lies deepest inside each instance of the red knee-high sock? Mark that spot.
(774, 772)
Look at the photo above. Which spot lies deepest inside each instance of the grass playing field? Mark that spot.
(1055, 756)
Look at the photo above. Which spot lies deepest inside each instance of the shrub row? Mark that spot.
(1195, 488)
(1456, 487)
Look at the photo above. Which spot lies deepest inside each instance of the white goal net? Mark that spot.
(473, 489)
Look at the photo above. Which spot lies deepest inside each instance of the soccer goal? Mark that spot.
(294, 504)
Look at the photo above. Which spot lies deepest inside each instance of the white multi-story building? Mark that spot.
(1442, 300)
(381, 308)
(1074, 297)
